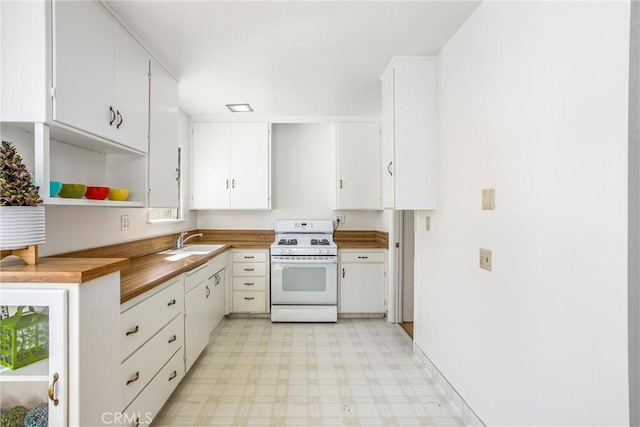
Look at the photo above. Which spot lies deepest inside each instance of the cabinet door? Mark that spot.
(84, 67)
(131, 92)
(250, 183)
(163, 140)
(210, 176)
(358, 176)
(196, 323)
(217, 298)
(28, 385)
(387, 131)
(362, 288)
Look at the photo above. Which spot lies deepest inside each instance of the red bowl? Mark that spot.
(97, 193)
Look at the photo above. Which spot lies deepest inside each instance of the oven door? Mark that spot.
(300, 283)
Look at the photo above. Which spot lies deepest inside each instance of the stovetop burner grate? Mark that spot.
(288, 242)
(321, 242)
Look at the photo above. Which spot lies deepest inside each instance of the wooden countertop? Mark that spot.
(149, 271)
(142, 268)
(59, 270)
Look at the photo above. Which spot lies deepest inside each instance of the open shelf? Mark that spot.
(38, 371)
(86, 202)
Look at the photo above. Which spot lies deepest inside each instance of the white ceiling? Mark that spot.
(288, 58)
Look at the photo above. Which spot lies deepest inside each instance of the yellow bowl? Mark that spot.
(118, 194)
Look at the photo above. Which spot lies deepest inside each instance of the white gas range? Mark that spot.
(304, 272)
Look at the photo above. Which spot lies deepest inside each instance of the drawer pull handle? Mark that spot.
(249, 298)
(343, 273)
(133, 331)
(249, 283)
(172, 302)
(52, 389)
(113, 116)
(363, 257)
(134, 379)
(249, 257)
(137, 424)
(172, 339)
(208, 291)
(173, 375)
(248, 269)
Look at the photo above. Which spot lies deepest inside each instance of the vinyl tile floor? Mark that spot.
(357, 372)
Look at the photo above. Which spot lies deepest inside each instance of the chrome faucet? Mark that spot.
(181, 239)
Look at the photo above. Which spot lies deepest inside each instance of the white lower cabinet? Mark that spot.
(362, 275)
(196, 314)
(151, 341)
(216, 289)
(77, 378)
(250, 281)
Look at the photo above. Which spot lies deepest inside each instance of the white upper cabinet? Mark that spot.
(409, 134)
(230, 166)
(358, 165)
(100, 75)
(163, 139)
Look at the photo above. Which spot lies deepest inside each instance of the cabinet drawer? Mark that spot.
(249, 257)
(195, 277)
(141, 367)
(249, 269)
(218, 263)
(249, 302)
(149, 402)
(249, 284)
(362, 257)
(145, 319)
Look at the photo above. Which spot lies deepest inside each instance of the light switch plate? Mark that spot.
(427, 223)
(488, 199)
(485, 259)
(124, 222)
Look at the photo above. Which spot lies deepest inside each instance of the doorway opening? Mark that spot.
(405, 221)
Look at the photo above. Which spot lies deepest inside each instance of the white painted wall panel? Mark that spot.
(533, 102)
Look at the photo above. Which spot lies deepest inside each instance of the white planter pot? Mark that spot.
(21, 226)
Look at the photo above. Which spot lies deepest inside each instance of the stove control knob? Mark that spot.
(324, 251)
(285, 251)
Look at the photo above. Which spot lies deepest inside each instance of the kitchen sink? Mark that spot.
(193, 250)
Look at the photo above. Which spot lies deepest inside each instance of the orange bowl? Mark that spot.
(97, 193)
(118, 194)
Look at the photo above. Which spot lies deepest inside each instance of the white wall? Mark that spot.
(533, 103)
(71, 228)
(303, 160)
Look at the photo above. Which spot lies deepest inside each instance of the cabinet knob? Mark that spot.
(52, 389)
(135, 378)
(133, 331)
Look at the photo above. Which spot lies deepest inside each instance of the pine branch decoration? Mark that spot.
(16, 188)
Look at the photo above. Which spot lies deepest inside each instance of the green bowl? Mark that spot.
(72, 191)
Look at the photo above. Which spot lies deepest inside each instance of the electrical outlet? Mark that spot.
(488, 199)
(124, 222)
(340, 219)
(485, 259)
(427, 223)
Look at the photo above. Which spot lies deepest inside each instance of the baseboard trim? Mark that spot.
(452, 398)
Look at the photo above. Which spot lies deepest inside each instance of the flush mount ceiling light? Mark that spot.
(239, 108)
